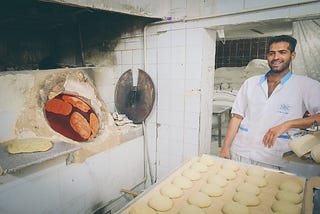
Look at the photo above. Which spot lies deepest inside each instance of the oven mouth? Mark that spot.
(72, 116)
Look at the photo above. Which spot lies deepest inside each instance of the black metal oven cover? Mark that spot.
(135, 101)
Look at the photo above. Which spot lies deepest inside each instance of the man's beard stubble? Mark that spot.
(280, 69)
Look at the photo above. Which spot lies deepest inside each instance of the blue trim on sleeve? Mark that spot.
(243, 129)
(284, 136)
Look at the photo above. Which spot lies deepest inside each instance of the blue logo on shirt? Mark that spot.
(284, 109)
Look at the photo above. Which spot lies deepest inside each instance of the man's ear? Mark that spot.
(293, 55)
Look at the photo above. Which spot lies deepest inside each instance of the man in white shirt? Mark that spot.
(268, 109)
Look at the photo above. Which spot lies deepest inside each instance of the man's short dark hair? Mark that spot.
(284, 38)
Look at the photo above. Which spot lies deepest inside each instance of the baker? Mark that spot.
(268, 109)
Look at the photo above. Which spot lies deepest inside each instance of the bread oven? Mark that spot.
(62, 106)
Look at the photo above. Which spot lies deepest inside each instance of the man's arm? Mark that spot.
(231, 133)
(270, 137)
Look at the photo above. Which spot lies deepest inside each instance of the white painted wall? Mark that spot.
(54, 187)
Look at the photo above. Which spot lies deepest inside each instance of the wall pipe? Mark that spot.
(146, 159)
(153, 179)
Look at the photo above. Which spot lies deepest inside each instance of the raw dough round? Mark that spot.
(217, 179)
(191, 209)
(291, 186)
(213, 190)
(192, 174)
(172, 191)
(160, 202)
(248, 187)
(205, 159)
(235, 208)
(256, 171)
(285, 207)
(256, 180)
(246, 198)
(29, 145)
(182, 182)
(229, 174)
(230, 164)
(199, 167)
(141, 209)
(293, 197)
(200, 199)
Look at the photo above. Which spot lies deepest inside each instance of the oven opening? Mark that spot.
(72, 116)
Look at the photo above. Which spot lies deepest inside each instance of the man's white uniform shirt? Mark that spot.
(291, 98)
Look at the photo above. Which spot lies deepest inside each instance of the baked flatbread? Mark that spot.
(29, 145)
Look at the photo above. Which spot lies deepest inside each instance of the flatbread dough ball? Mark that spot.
(182, 182)
(248, 187)
(205, 159)
(291, 186)
(141, 209)
(213, 190)
(285, 207)
(246, 198)
(293, 197)
(235, 208)
(230, 164)
(229, 174)
(256, 171)
(199, 167)
(200, 199)
(193, 175)
(160, 202)
(191, 209)
(29, 145)
(172, 191)
(217, 179)
(256, 180)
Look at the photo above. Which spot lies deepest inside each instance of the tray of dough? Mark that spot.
(210, 184)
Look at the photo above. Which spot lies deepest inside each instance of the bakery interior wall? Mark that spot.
(43, 41)
(178, 53)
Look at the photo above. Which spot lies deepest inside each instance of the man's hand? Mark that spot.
(224, 152)
(272, 134)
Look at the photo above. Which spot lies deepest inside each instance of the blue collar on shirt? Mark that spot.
(282, 81)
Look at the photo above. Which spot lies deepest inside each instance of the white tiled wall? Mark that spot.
(75, 188)
(175, 62)
(104, 81)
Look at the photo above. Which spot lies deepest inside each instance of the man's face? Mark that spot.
(280, 57)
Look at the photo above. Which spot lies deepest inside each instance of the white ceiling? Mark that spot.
(257, 29)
